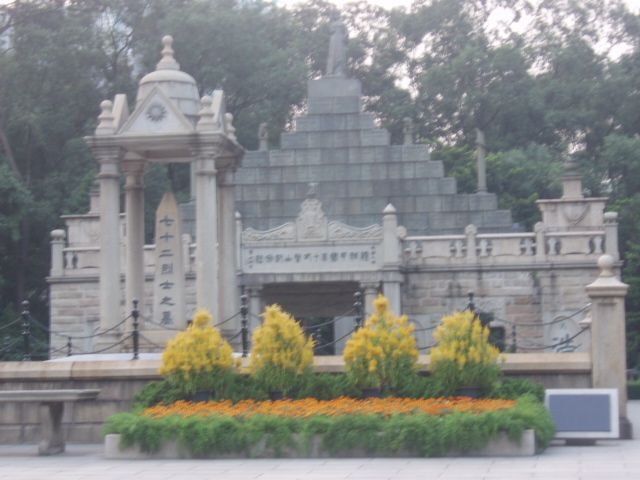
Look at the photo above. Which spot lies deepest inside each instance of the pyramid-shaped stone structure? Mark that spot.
(357, 172)
(354, 169)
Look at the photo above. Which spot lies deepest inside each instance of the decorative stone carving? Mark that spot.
(156, 112)
(340, 231)
(311, 224)
(574, 213)
(283, 232)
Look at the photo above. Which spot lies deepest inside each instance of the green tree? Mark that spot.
(249, 49)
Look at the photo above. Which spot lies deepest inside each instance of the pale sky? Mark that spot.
(634, 5)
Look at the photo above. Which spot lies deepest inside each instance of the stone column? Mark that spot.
(207, 234)
(229, 296)
(611, 234)
(370, 292)
(186, 252)
(57, 252)
(482, 162)
(541, 240)
(608, 351)
(392, 292)
(255, 307)
(109, 178)
(472, 254)
(134, 211)
(390, 240)
(391, 257)
(239, 243)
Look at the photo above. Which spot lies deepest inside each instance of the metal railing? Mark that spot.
(27, 346)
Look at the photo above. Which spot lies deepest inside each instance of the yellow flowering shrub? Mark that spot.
(198, 358)
(383, 353)
(464, 357)
(281, 354)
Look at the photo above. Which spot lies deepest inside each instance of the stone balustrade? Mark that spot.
(80, 260)
(503, 248)
(491, 248)
(84, 261)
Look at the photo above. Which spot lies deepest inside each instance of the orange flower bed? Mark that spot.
(309, 407)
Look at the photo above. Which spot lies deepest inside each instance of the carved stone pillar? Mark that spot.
(109, 178)
(207, 233)
(134, 210)
(229, 296)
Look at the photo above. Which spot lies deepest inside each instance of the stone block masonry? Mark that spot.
(119, 382)
(357, 172)
(529, 298)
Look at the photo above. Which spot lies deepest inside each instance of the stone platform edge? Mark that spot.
(500, 446)
(514, 363)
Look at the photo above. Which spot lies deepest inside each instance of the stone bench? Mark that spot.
(51, 410)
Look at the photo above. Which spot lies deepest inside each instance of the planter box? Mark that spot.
(500, 446)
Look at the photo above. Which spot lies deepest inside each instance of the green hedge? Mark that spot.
(420, 434)
(326, 386)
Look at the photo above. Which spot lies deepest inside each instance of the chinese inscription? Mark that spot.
(303, 259)
(168, 297)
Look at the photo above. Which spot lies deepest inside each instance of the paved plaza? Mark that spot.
(608, 460)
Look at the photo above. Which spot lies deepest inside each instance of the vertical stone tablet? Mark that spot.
(168, 289)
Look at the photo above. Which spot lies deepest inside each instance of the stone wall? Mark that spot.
(120, 381)
(73, 307)
(527, 297)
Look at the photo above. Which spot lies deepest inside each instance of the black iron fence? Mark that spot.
(33, 340)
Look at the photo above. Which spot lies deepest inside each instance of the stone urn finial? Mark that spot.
(605, 264)
(106, 119)
(206, 121)
(168, 62)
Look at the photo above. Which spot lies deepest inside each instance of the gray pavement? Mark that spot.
(610, 460)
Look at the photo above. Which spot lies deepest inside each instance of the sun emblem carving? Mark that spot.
(156, 112)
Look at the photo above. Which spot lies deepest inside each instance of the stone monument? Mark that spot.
(168, 289)
(169, 124)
